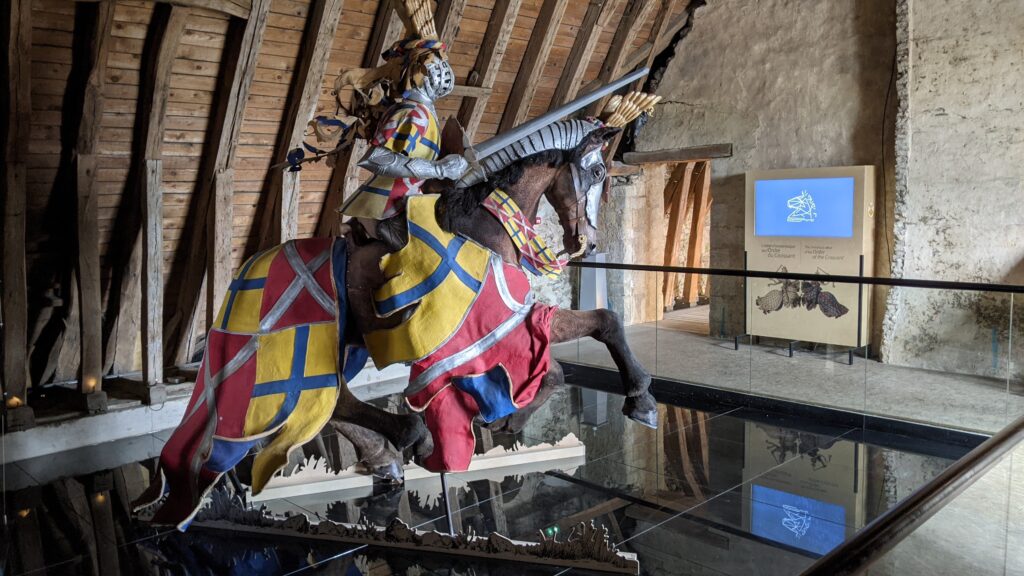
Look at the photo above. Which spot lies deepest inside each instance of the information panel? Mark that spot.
(815, 221)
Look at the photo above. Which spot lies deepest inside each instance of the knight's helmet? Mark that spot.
(417, 62)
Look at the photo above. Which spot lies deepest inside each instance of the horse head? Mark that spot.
(577, 189)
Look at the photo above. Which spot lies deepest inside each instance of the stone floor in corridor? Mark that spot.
(707, 493)
(822, 377)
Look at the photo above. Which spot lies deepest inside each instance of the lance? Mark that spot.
(484, 149)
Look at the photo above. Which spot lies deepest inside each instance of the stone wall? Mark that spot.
(632, 229)
(960, 141)
(791, 84)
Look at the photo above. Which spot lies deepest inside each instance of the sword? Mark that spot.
(474, 154)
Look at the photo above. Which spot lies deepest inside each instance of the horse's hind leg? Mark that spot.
(372, 450)
(402, 430)
(606, 327)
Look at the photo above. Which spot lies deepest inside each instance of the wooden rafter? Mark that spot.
(678, 197)
(543, 38)
(16, 139)
(636, 13)
(698, 218)
(488, 61)
(154, 111)
(638, 56)
(667, 7)
(210, 215)
(139, 263)
(688, 154)
(449, 17)
(88, 272)
(281, 223)
(594, 22)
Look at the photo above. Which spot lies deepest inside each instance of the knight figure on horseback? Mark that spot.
(431, 272)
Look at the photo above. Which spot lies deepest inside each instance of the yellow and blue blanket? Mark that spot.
(270, 375)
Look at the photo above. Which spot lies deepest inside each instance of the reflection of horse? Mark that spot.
(207, 445)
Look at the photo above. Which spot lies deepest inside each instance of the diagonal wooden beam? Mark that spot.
(387, 29)
(660, 24)
(448, 18)
(18, 95)
(594, 22)
(678, 196)
(281, 223)
(637, 12)
(89, 290)
(638, 56)
(137, 284)
(518, 107)
(698, 218)
(488, 61)
(206, 243)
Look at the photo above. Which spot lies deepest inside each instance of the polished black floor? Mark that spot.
(729, 491)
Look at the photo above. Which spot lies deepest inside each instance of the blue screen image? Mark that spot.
(809, 207)
(797, 521)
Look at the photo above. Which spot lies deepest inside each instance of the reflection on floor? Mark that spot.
(694, 320)
(820, 377)
(733, 492)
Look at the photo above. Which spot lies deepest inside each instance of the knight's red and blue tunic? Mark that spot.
(408, 128)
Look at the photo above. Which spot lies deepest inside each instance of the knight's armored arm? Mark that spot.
(384, 162)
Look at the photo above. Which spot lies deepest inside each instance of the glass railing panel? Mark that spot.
(702, 334)
(980, 532)
(946, 359)
(808, 341)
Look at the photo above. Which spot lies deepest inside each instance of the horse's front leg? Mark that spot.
(605, 326)
(373, 451)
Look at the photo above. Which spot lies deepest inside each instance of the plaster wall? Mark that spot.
(960, 167)
(791, 84)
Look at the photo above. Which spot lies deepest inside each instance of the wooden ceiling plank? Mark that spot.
(90, 298)
(488, 62)
(594, 21)
(238, 9)
(209, 233)
(518, 107)
(15, 289)
(281, 224)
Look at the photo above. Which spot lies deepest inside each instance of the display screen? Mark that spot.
(814, 207)
(797, 521)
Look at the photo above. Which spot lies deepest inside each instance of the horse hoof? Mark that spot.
(642, 409)
(390, 472)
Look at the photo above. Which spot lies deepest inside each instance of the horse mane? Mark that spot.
(457, 205)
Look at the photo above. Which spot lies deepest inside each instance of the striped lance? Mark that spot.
(542, 133)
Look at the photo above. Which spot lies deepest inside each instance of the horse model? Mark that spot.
(298, 319)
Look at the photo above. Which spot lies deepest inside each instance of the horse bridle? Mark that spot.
(581, 179)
